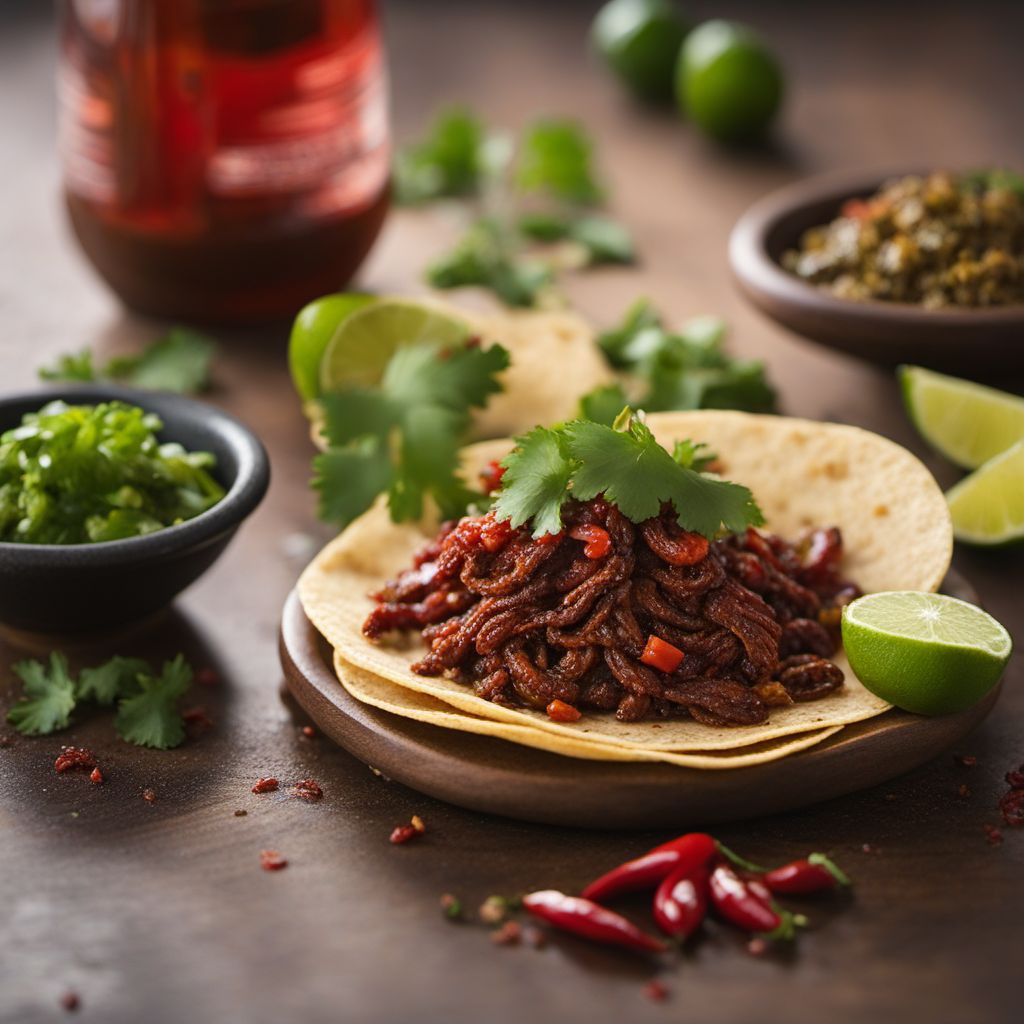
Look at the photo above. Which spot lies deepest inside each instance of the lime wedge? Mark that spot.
(926, 653)
(967, 422)
(312, 332)
(363, 342)
(988, 506)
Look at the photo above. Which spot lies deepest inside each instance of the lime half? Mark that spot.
(967, 422)
(926, 653)
(988, 506)
(363, 342)
(311, 334)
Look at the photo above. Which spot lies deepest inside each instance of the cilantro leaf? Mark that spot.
(692, 455)
(603, 404)
(449, 162)
(179, 361)
(350, 478)
(536, 481)
(151, 717)
(49, 697)
(485, 257)
(635, 473)
(354, 413)
(603, 239)
(556, 158)
(461, 379)
(115, 678)
(615, 343)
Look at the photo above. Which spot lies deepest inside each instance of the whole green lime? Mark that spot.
(640, 40)
(727, 81)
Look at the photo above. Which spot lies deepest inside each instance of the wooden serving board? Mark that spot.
(482, 773)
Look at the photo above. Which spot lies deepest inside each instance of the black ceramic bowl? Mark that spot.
(970, 341)
(78, 588)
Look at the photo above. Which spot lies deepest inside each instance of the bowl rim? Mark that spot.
(244, 492)
(756, 269)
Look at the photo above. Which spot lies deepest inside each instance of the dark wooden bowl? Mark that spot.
(976, 342)
(483, 773)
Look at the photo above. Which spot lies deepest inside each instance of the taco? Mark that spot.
(643, 634)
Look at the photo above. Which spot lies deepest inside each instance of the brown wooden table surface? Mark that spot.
(160, 912)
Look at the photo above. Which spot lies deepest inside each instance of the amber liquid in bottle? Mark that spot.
(224, 160)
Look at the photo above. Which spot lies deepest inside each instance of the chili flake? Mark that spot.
(656, 991)
(967, 760)
(559, 711)
(661, 655)
(509, 934)
(264, 785)
(993, 835)
(307, 789)
(1011, 807)
(96, 777)
(70, 1001)
(757, 946)
(149, 796)
(308, 731)
(271, 860)
(207, 677)
(418, 823)
(963, 791)
(403, 833)
(74, 758)
(1015, 778)
(197, 716)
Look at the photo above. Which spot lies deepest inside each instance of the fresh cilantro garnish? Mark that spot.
(49, 697)
(487, 258)
(602, 239)
(582, 459)
(179, 361)
(84, 474)
(115, 678)
(151, 718)
(556, 158)
(603, 404)
(450, 161)
(403, 437)
(688, 369)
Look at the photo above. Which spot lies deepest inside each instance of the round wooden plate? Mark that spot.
(487, 774)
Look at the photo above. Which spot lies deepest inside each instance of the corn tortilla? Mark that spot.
(894, 519)
(399, 700)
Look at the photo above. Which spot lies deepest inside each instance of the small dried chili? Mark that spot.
(684, 854)
(811, 874)
(681, 902)
(588, 920)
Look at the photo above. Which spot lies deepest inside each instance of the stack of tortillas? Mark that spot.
(897, 536)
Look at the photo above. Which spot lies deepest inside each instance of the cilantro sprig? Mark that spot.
(402, 437)
(179, 361)
(582, 459)
(147, 703)
(675, 370)
(536, 205)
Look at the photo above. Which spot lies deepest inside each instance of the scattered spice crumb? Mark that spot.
(1011, 807)
(241, 813)
(262, 785)
(493, 910)
(149, 796)
(757, 946)
(418, 823)
(509, 934)
(271, 860)
(402, 834)
(868, 848)
(535, 937)
(74, 758)
(656, 991)
(70, 1001)
(963, 791)
(308, 731)
(96, 777)
(308, 789)
(207, 677)
(967, 760)
(993, 835)
(451, 907)
(1015, 778)
(891, 797)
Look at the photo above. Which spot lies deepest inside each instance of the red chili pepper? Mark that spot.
(685, 854)
(589, 920)
(661, 655)
(736, 902)
(595, 538)
(559, 711)
(681, 902)
(813, 874)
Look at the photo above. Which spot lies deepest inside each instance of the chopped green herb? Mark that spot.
(556, 158)
(115, 678)
(403, 437)
(582, 459)
(601, 238)
(179, 361)
(49, 697)
(487, 258)
(450, 162)
(603, 404)
(151, 717)
(85, 474)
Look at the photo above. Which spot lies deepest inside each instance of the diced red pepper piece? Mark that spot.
(490, 478)
(595, 538)
(661, 655)
(559, 711)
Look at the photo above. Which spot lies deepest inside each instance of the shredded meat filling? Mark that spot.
(525, 623)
